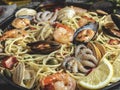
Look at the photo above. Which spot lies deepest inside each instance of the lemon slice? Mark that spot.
(99, 77)
(116, 69)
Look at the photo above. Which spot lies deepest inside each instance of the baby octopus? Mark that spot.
(83, 61)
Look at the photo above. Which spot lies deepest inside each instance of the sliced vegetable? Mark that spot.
(9, 62)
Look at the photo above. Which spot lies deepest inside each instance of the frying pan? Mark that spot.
(51, 5)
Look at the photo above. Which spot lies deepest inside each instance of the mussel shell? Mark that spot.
(76, 1)
(116, 20)
(43, 47)
(106, 6)
(111, 31)
(92, 26)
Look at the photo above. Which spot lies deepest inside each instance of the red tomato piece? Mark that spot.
(9, 62)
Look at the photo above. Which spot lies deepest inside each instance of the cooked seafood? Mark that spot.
(23, 77)
(95, 49)
(53, 49)
(58, 81)
(13, 34)
(116, 20)
(46, 16)
(66, 13)
(44, 47)
(114, 42)
(78, 48)
(83, 61)
(63, 33)
(25, 12)
(84, 20)
(79, 10)
(112, 27)
(108, 6)
(20, 23)
(101, 49)
(85, 33)
(69, 12)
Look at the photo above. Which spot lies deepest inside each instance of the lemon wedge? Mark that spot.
(99, 77)
(116, 69)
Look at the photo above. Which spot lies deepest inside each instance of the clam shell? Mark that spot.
(101, 48)
(25, 12)
(23, 77)
(95, 50)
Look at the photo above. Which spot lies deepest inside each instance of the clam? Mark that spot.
(43, 47)
(86, 33)
(112, 28)
(25, 13)
(66, 13)
(23, 77)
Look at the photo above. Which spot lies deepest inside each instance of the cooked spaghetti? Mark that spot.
(14, 43)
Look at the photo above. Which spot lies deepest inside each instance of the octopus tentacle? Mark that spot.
(75, 65)
(90, 58)
(70, 64)
(54, 16)
(88, 63)
(38, 16)
(44, 15)
(81, 68)
(66, 60)
(78, 48)
(86, 51)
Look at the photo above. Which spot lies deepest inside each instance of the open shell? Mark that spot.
(113, 28)
(86, 33)
(25, 12)
(43, 47)
(23, 77)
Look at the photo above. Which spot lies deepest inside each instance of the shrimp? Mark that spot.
(114, 42)
(84, 20)
(58, 81)
(13, 34)
(63, 34)
(20, 22)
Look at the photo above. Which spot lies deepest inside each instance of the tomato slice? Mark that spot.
(9, 62)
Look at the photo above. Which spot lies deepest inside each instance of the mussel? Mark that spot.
(43, 47)
(116, 20)
(86, 33)
(105, 6)
(76, 1)
(113, 28)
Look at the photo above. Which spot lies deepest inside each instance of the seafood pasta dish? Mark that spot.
(66, 48)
